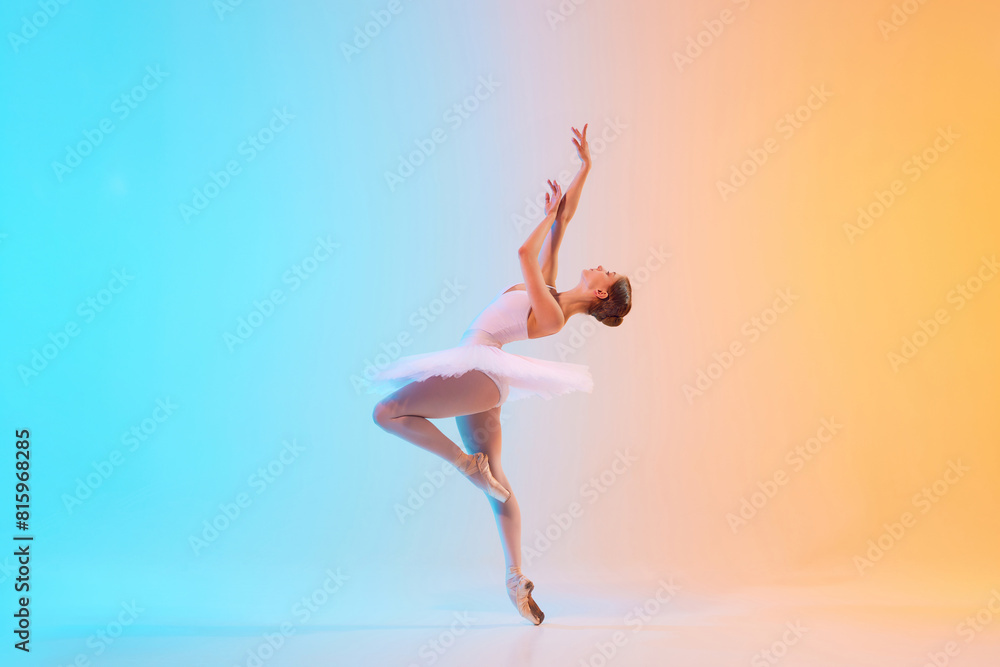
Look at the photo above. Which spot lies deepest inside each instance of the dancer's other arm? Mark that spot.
(548, 258)
(548, 315)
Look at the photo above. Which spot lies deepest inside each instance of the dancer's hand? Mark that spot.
(552, 202)
(582, 147)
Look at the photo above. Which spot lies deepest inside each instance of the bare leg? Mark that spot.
(406, 411)
(481, 433)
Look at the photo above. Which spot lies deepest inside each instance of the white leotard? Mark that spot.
(503, 321)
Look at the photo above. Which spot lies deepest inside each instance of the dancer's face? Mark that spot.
(599, 279)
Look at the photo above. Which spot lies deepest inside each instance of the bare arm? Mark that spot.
(549, 255)
(544, 306)
(548, 258)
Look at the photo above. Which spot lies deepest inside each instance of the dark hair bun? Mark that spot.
(611, 310)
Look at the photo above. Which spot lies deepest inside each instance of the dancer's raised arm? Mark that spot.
(548, 314)
(548, 258)
(567, 207)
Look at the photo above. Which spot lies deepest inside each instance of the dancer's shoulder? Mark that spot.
(522, 288)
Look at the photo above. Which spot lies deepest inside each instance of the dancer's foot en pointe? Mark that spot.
(519, 589)
(477, 468)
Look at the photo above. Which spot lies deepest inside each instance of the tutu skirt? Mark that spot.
(519, 376)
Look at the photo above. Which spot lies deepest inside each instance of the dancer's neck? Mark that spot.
(574, 301)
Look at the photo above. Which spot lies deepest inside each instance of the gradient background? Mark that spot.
(672, 133)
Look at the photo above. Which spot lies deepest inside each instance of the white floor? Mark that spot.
(644, 625)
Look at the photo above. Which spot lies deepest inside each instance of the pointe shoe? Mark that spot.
(519, 589)
(477, 469)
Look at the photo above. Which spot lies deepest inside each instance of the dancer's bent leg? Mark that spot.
(406, 411)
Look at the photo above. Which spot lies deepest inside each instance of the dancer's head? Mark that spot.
(612, 295)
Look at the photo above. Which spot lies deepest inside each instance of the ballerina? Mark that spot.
(471, 381)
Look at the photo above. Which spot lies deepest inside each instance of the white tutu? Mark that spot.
(525, 376)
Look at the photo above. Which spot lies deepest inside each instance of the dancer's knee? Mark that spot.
(500, 477)
(384, 412)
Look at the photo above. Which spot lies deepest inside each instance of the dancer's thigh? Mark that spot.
(440, 397)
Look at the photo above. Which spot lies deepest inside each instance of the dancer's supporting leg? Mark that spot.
(481, 433)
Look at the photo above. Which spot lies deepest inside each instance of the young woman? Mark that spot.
(471, 381)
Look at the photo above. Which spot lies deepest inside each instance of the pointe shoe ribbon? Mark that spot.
(519, 589)
(477, 469)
